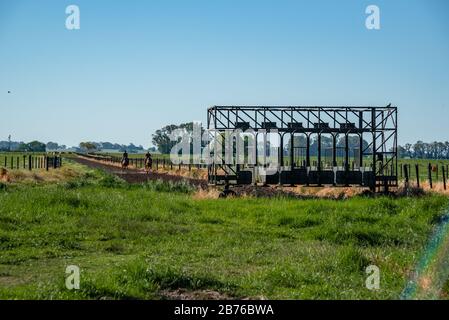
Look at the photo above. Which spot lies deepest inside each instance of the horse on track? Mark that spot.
(125, 163)
(148, 165)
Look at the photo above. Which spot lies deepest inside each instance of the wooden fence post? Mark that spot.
(417, 174)
(430, 175)
(46, 163)
(444, 178)
(406, 176)
(30, 164)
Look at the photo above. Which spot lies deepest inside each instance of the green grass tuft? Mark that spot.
(169, 186)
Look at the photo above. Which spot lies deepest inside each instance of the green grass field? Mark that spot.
(146, 241)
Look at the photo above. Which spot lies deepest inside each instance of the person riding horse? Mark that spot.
(125, 160)
(148, 162)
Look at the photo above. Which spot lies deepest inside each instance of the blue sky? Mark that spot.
(135, 66)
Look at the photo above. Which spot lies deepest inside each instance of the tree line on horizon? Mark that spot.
(33, 146)
(424, 150)
(163, 144)
(91, 146)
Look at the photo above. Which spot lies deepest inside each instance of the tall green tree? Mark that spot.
(36, 146)
(88, 146)
(161, 138)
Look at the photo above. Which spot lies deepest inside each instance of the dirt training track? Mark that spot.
(132, 175)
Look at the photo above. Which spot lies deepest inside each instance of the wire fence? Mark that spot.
(30, 162)
(419, 173)
(139, 162)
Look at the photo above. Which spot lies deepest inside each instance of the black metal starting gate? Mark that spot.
(316, 146)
